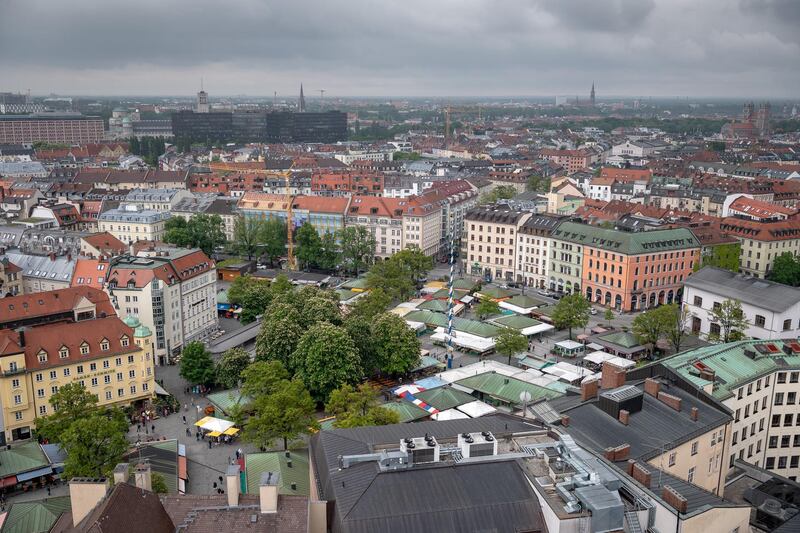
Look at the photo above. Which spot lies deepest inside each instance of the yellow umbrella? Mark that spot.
(214, 434)
(231, 431)
(203, 421)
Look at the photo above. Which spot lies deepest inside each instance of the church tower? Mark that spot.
(302, 106)
(591, 96)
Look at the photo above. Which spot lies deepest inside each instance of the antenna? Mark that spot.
(275, 99)
(321, 97)
(201, 83)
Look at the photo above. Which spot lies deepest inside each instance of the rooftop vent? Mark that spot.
(628, 398)
(421, 450)
(477, 444)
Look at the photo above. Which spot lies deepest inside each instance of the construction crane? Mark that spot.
(287, 177)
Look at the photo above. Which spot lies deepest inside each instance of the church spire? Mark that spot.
(591, 95)
(302, 100)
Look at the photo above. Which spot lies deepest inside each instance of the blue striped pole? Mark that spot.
(450, 306)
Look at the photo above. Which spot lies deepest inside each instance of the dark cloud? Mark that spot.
(442, 47)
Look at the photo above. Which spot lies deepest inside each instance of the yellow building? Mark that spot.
(111, 358)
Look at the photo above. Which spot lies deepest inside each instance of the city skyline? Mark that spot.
(629, 48)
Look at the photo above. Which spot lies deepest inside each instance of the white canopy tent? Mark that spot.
(465, 340)
(211, 423)
(476, 409)
(600, 357)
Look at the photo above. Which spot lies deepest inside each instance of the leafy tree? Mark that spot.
(252, 294)
(273, 237)
(397, 348)
(326, 358)
(486, 307)
(71, 402)
(510, 342)
(648, 327)
(371, 304)
(329, 252)
(319, 309)
(200, 231)
(309, 246)
(94, 444)
(262, 378)
(158, 484)
(538, 184)
(392, 276)
(230, 366)
(357, 245)
(281, 286)
(196, 364)
(247, 235)
(358, 406)
(731, 321)
(286, 413)
(571, 311)
(280, 331)
(359, 329)
(785, 269)
(501, 192)
(676, 321)
(177, 232)
(416, 262)
(609, 316)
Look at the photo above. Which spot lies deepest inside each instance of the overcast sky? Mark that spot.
(735, 48)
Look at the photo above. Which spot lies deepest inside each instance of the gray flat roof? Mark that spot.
(753, 291)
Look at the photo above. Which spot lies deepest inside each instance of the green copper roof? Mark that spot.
(407, 411)
(731, 365)
(625, 339)
(624, 242)
(506, 389)
(226, 400)
(524, 301)
(142, 331)
(494, 292)
(35, 516)
(434, 305)
(256, 464)
(443, 398)
(132, 321)
(22, 458)
(222, 296)
(517, 322)
(459, 324)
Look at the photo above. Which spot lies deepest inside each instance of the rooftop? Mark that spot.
(757, 292)
(628, 243)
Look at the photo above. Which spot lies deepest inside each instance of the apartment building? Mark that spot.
(65, 305)
(10, 278)
(459, 197)
(68, 128)
(110, 358)
(759, 382)
(491, 241)
(572, 160)
(534, 249)
(383, 217)
(625, 270)
(346, 182)
(423, 222)
(771, 309)
(325, 214)
(173, 293)
(762, 242)
(130, 223)
(156, 199)
(41, 273)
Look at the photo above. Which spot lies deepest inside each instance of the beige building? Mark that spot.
(10, 278)
(129, 223)
(491, 242)
(41, 273)
(423, 223)
(762, 242)
(383, 217)
(534, 246)
(109, 357)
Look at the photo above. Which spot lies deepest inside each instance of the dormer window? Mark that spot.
(124, 341)
(42, 356)
(84, 348)
(63, 353)
(104, 345)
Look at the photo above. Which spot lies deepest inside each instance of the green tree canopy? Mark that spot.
(325, 359)
(309, 246)
(571, 311)
(649, 326)
(676, 321)
(280, 331)
(393, 277)
(539, 184)
(373, 303)
(358, 406)
(230, 367)
(486, 307)
(416, 262)
(252, 294)
(286, 413)
(95, 444)
(329, 252)
(70, 403)
(359, 328)
(200, 231)
(396, 346)
(158, 484)
(501, 192)
(196, 364)
(273, 237)
(730, 318)
(262, 377)
(510, 342)
(176, 232)
(247, 235)
(357, 245)
(785, 269)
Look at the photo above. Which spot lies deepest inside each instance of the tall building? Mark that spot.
(202, 101)
(762, 121)
(302, 106)
(321, 127)
(278, 127)
(591, 96)
(64, 128)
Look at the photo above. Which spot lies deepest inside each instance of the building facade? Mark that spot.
(491, 241)
(534, 249)
(129, 223)
(51, 128)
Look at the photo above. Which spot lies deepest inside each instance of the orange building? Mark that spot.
(345, 183)
(631, 271)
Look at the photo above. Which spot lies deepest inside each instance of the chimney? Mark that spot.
(589, 389)
(670, 400)
(121, 473)
(232, 484)
(652, 387)
(143, 477)
(629, 466)
(674, 499)
(565, 421)
(624, 416)
(694, 414)
(641, 474)
(85, 493)
(612, 376)
(268, 492)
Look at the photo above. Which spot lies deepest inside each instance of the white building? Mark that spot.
(534, 246)
(634, 148)
(130, 223)
(772, 309)
(363, 155)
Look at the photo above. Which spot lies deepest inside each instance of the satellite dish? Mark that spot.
(524, 396)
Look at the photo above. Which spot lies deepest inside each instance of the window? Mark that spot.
(107, 378)
(694, 448)
(66, 372)
(778, 398)
(785, 441)
(770, 464)
(42, 356)
(104, 345)
(781, 377)
(698, 301)
(690, 476)
(42, 409)
(109, 395)
(760, 321)
(92, 367)
(17, 399)
(130, 359)
(94, 382)
(787, 420)
(40, 393)
(53, 389)
(15, 383)
(63, 353)
(84, 349)
(131, 373)
(776, 421)
(793, 377)
(787, 324)
(39, 377)
(118, 361)
(120, 392)
(119, 376)
(106, 364)
(133, 389)
(672, 459)
(124, 342)
(18, 415)
(773, 442)
(782, 462)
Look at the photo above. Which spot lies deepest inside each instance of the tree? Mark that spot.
(393, 276)
(371, 304)
(416, 262)
(158, 484)
(648, 327)
(358, 406)
(571, 311)
(71, 402)
(609, 316)
(396, 346)
(359, 329)
(230, 366)
(262, 378)
(252, 294)
(501, 192)
(319, 309)
(510, 342)
(176, 232)
(357, 245)
(676, 320)
(280, 331)
(329, 253)
(247, 235)
(326, 358)
(538, 184)
(286, 413)
(785, 269)
(196, 364)
(731, 321)
(309, 246)
(94, 444)
(206, 232)
(273, 237)
(486, 306)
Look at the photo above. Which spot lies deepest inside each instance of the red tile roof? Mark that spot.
(106, 243)
(321, 204)
(626, 175)
(759, 209)
(89, 273)
(42, 304)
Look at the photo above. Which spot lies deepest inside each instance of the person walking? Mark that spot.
(153, 428)
(184, 420)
